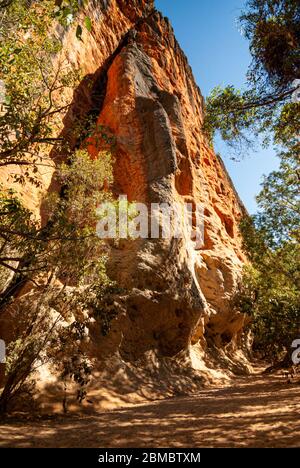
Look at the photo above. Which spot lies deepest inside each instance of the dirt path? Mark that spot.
(257, 411)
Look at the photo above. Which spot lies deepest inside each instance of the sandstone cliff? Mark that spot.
(175, 316)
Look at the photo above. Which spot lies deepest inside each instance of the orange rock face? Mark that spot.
(177, 294)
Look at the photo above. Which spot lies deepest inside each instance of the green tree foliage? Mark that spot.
(64, 11)
(60, 260)
(268, 107)
(26, 247)
(279, 203)
(34, 87)
(65, 263)
(270, 292)
(273, 30)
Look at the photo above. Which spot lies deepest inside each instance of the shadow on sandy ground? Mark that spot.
(260, 411)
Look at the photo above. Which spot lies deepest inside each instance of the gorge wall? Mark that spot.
(175, 316)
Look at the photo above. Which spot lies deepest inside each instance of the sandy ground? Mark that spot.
(257, 411)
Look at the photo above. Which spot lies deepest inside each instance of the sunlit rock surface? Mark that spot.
(176, 328)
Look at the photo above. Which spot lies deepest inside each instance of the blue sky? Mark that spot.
(207, 31)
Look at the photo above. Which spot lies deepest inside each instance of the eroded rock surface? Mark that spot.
(154, 108)
(177, 300)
